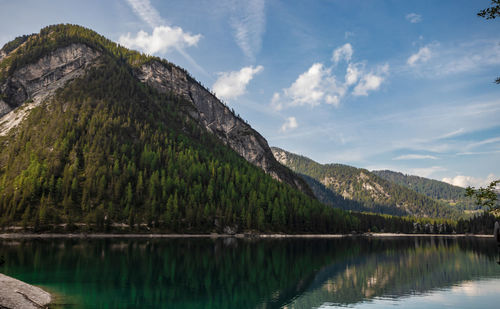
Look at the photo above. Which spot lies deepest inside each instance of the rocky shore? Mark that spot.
(17, 294)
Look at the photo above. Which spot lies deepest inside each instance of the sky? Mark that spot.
(402, 85)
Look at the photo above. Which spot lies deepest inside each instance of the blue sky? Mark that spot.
(400, 85)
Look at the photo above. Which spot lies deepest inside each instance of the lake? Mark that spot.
(409, 272)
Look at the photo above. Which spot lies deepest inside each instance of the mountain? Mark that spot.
(36, 66)
(93, 132)
(438, 190)
(336, 199)
(359, 189)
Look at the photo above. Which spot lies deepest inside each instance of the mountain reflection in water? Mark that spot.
(249, 273)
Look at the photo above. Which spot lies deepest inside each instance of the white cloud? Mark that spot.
(290, 124)
(465, 181)
(332, 100)
(369, 82)
(146, 12)
(431, 128)
(476, 56)
(319, 85)
(161, 40)
(415, 157)
(249, 23)
(465, 57)
(343, 52)
(423, 55)
(231, 85)
(276, 101)
(352, 74)
(307, 89)
(420, 129)
(452, 134)
(414, 18)
(474, 153)
(163, 37)
(483, 142)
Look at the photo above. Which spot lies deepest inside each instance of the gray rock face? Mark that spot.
(218, 119)
(280, 155)
(17, 294)
(37, 81)
(4, 108)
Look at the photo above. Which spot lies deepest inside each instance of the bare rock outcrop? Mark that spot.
(16, 294)
(36, 81)
(280, 155)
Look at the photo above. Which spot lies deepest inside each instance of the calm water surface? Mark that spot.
(276, 273)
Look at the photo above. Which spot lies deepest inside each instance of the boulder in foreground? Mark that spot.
(17, 294)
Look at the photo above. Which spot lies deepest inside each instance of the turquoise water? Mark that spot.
(268, 273)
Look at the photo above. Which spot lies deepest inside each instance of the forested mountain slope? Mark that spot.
(333, 198)
(33, 67)
(89, 135)
(361, 189)
(442, 191)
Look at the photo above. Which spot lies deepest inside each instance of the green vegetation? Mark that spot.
(372, 192)
(438, 190)
(10, 46)
(479, 224)
(330, 197)
(486, 197)
(491, 13)
(107, 149)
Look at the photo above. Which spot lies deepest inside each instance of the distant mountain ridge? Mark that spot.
(330, 197)
(438, 190)
(361, 189)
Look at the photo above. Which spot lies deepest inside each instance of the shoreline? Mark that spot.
(214, 235)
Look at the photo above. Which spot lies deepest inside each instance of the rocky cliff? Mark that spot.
(218, 119)
(40, 79)
(32, 83)
(29, 85)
